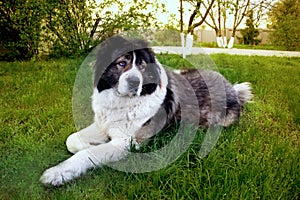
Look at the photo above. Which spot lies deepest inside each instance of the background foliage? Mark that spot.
(284, 18)
(20, 28)
(249, 33)
(66, 27)
(30, 29)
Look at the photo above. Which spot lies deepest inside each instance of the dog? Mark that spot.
(135, 97)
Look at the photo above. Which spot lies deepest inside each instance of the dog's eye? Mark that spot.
(122, 64)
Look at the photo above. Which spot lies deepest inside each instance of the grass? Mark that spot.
(255, 159)
(242, 46)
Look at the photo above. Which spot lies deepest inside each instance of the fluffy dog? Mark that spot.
(134, 97)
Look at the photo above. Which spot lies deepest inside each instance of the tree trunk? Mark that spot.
(192, 26)
(182, 44)
(230, 43)
(181, 16)
(219, 41)
(189, 44)
(232, 38)
(224, 41)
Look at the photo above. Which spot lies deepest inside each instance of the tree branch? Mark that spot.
(95, 27)
(203, 18)
(193, 15)
(243, 13)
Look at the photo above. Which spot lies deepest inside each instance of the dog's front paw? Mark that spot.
(56, 176)
(62, 173)
(68, 170)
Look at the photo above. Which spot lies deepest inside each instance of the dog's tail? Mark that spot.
(244, 92)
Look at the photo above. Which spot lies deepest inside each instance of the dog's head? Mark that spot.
(127, 66)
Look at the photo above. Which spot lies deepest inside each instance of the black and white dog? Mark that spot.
(134, 97)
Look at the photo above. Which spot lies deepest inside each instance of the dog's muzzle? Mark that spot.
(130, 84)
(133, 83)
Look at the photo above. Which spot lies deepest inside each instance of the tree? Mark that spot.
(250, 33)
(181, 15)
(284, 17)
(214, 18)
(66, 27)
(197, 14)
(217, 19)
(219, 14)
(240, 9)
(20, 29)
(75, 26)
(196, 19)
(216, 14)
(260, 9)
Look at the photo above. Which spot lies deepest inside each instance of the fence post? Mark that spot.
(182, 44)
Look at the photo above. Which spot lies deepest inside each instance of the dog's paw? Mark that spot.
(57, 176)
(68, 170)
(62, 173)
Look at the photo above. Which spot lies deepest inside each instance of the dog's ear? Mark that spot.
(140, 44)
(110, 50)
(144, 47)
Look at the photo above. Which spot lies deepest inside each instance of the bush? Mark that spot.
(20, 28)
(67, 27)
(250, 33)
(285, 21)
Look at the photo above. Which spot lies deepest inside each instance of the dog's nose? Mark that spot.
(133, 82)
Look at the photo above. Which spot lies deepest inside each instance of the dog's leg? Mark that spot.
(86, 159)
(85, 138)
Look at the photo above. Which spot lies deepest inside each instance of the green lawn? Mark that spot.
(257, 159)
(242, 46)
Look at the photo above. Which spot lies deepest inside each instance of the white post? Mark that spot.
(189, 43)
(182, 44)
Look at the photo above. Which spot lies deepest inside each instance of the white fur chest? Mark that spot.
(121, 117)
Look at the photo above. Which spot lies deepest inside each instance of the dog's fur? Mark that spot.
(135, 97)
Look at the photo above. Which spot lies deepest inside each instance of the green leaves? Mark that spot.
(20, 29)
(67, 27)
(249, 33)
(284, 18)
